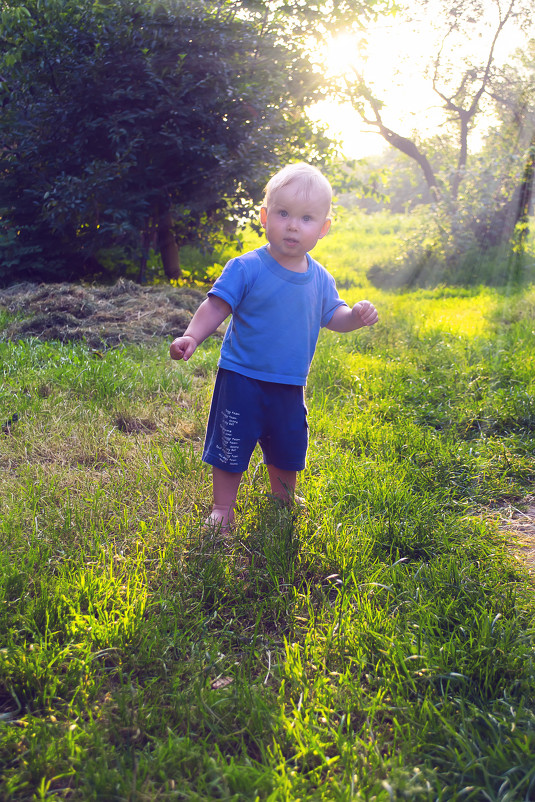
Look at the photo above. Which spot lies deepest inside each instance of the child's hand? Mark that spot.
(183, 347)
(367, 313)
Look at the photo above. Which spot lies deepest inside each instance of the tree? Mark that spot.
(460, 84)
(513, 92)
(387, 181)
(136, 123)
(463, 78)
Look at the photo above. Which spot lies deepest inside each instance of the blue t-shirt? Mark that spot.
(276, 316)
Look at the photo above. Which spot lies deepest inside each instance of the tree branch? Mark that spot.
(402, 143)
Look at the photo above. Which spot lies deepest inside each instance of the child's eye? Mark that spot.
(283, 213)
(307, 218)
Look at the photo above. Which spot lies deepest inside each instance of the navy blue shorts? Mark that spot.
(247, 411)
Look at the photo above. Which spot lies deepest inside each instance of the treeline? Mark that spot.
(473, 178)
(137, 125)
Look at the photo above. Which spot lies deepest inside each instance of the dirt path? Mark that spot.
(519, 525)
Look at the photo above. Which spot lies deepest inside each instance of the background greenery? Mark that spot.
(141, 126)
(132, 130)
(377, 646)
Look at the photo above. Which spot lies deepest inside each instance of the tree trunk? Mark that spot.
(146, 240)
(168, 247)
(525, 199)
(409, 148)
(464, 120)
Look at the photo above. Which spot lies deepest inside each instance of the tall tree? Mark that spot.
(459, 77)
(512, 141)
(472, 194)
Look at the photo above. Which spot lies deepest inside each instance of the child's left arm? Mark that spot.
(346, 318)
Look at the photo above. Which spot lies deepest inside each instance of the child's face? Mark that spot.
(294, 223)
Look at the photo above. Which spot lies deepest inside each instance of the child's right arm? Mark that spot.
(208, 317)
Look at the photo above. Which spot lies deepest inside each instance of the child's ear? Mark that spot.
(325, 228)
(263, 215)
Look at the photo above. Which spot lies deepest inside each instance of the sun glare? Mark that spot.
(393, 55)
(341, 58)
(343, 53)
(381, 56)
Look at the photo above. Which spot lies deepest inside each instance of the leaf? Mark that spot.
(221, 682)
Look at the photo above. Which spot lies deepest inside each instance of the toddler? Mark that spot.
(279, 298)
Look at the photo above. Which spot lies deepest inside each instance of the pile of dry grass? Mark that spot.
(100, 316)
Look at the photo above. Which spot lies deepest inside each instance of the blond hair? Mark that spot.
(309, 179)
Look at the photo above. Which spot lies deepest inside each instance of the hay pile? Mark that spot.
(103, 317)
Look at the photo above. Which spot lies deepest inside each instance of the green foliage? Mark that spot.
(433, 254)
(386, 182)
(115, 115)
(473, 241)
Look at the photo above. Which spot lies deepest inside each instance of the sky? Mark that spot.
(393, 60)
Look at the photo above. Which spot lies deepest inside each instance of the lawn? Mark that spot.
(378, 645)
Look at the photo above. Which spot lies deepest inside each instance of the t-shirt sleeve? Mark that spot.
(231, 284)
(331, 300)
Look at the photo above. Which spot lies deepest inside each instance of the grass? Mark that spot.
(379, 646)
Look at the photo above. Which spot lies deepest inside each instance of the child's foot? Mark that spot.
(291, 501)
(220, 520)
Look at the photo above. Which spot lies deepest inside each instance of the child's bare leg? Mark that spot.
(282, 483)
(225, 486)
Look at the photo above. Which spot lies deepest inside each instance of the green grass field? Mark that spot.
(377, 646)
